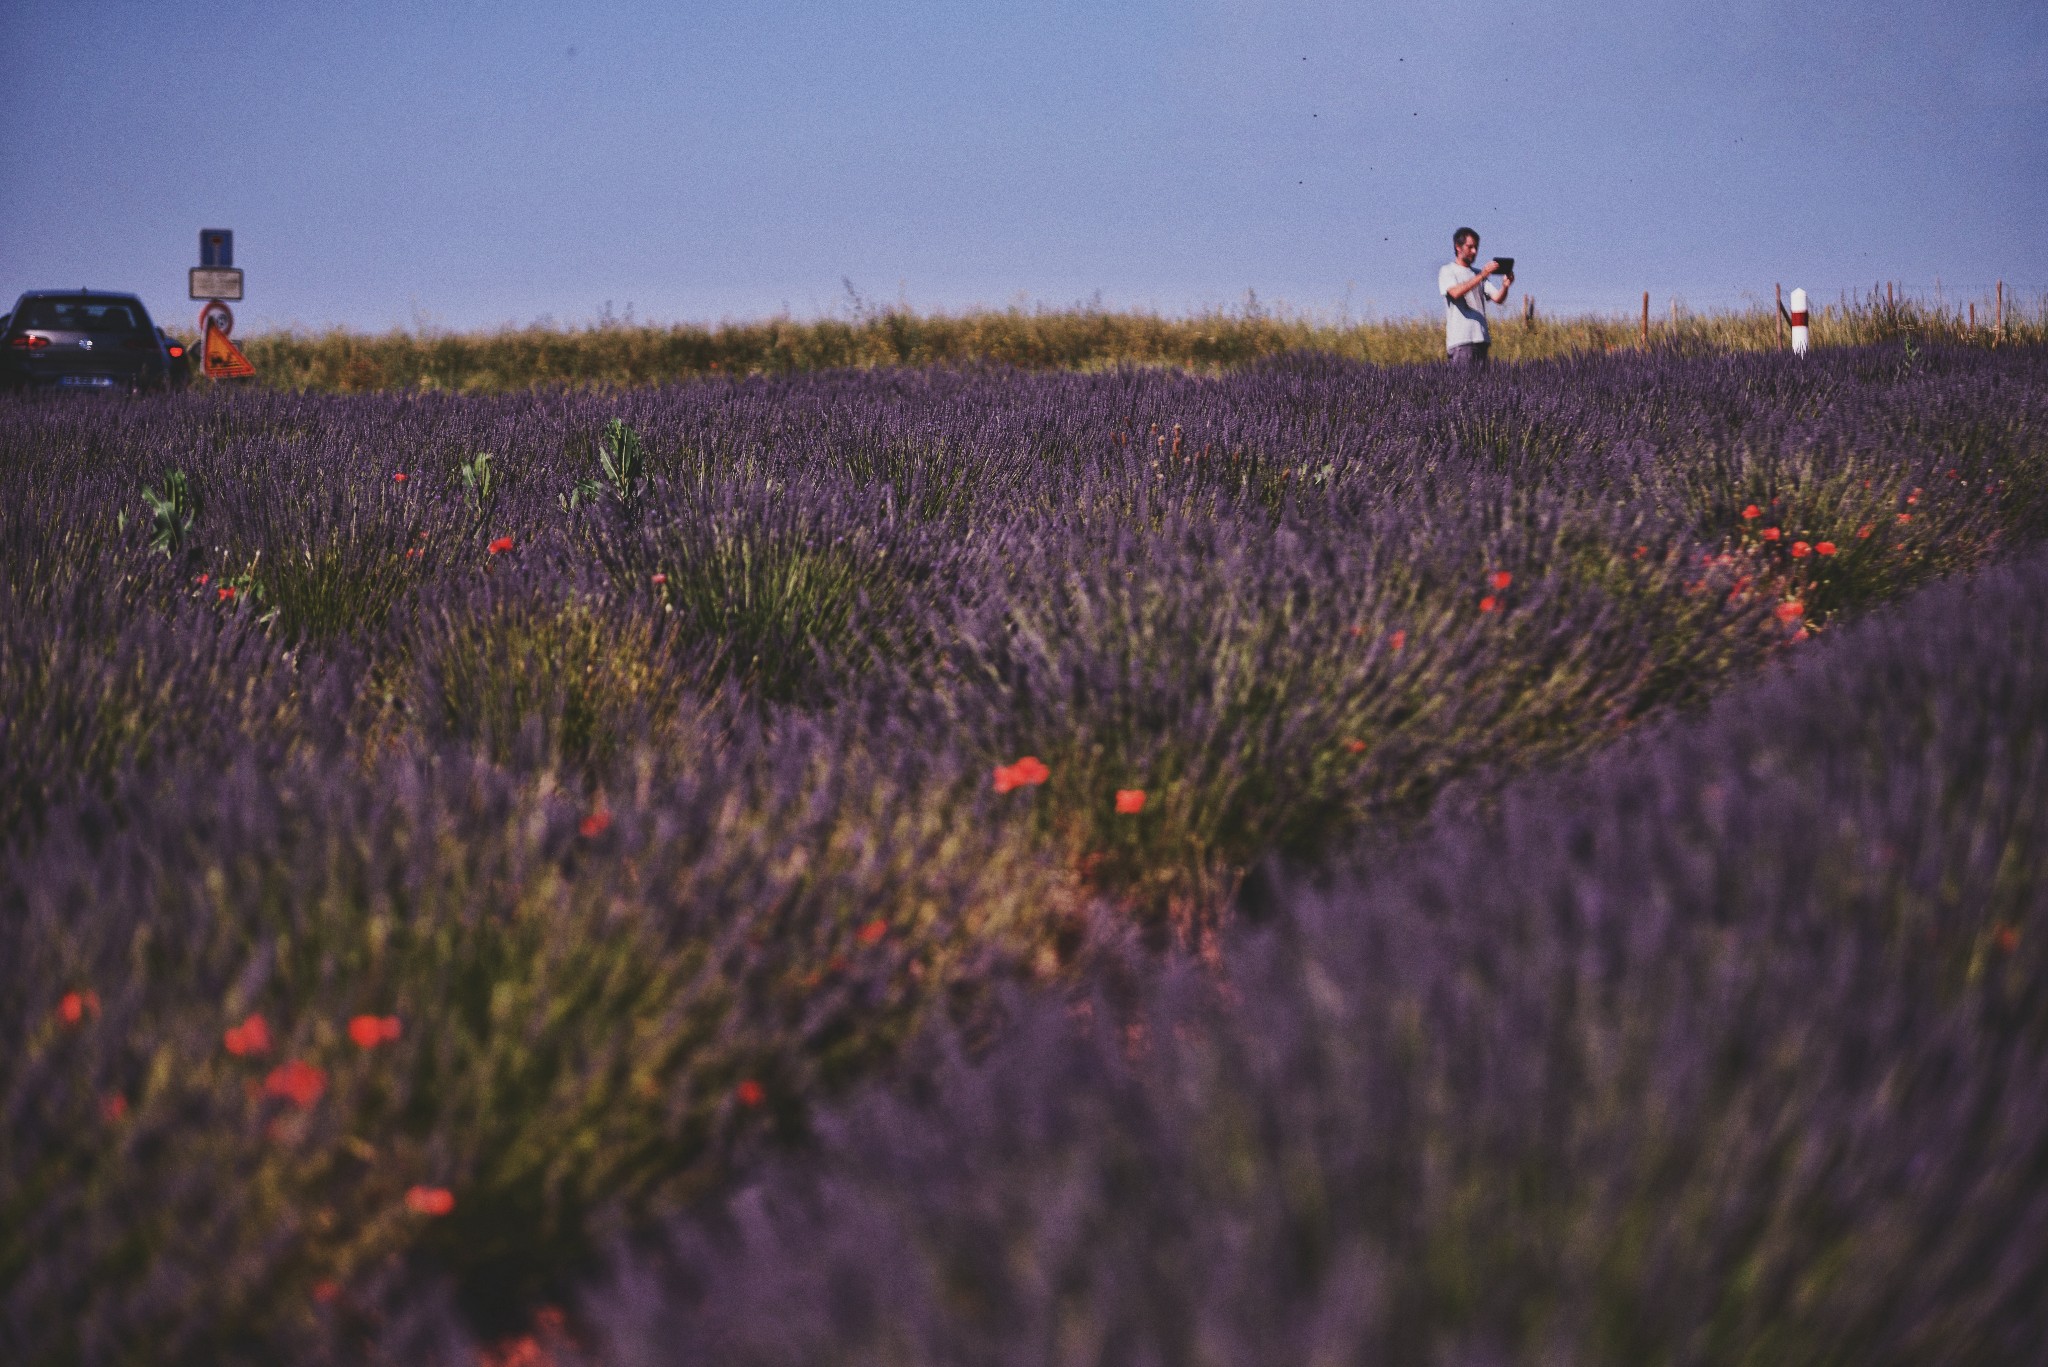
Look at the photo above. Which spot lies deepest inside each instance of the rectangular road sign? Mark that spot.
(216, 246)
(216, 282)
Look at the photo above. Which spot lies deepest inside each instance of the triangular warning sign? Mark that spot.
(222, 359)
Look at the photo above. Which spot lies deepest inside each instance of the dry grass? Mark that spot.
(626, 354)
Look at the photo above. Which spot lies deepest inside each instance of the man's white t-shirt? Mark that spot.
(1465, 318)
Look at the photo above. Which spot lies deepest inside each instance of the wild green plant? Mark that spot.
(584, 492)
(623, 457)
(479, 480)
(173, 511)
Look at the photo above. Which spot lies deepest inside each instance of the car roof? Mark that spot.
(78, 294)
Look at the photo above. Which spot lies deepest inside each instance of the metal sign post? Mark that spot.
(216, 280)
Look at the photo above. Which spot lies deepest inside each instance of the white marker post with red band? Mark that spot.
(1801, 334)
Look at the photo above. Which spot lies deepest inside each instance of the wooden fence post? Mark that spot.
(1646, 318)
(1973, 317)
(1779, 291)
(1528, 308)
(1999, 330)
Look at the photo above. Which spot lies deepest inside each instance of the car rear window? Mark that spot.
(80, 315)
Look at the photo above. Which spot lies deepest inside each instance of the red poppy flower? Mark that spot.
(1824, 548)
(298, 1082)
(750, 1093)
(1356, 747)
(872, 932)
(114, 1107)
(658, 579)
(429, 1200)
(1398, 639)
(1752, 511)
(74, 1007)
(252, 1036)
(1771, 533)
(1488, 603)
(1025, 773)
(522, 1351)
(413, 554)
(596, 824)
(1641, 551)
(1905, 517)
(1863, 532)
(202, 580)
(1913, 497)
(501, 545)
(398, 477)
(227, 591)
(1789, 612)
(326, 1292)
(370, 1031)
(1499, 579)
(2007, 938)
(1130, 801)
(1800, 550)
(1356, 631)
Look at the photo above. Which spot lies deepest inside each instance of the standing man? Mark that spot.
(1465, 299)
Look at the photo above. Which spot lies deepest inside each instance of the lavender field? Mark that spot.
(1312, 864)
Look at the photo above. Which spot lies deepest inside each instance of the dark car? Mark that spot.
(85, 340)
(180, 373)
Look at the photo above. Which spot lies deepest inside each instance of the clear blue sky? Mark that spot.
(454, 164)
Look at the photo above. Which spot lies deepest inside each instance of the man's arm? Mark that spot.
(1460, 291)
(1507, 283)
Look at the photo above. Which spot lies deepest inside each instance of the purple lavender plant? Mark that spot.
(658, 822)
(1727, 1044)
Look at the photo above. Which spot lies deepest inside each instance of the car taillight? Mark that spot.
(26, 342)
(176, 351)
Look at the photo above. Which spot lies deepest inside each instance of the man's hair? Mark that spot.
(1458, 237)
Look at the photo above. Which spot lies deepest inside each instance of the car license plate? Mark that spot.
(87, 381)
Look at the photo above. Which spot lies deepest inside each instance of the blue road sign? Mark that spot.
(216, 247)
